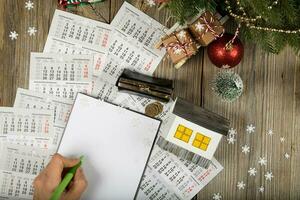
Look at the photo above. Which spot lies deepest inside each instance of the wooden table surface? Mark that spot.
(271, 99)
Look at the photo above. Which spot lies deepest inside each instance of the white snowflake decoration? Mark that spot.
(245, 149)
(199, 27)
(13, 35)
(262, 161)
(29, 5)
(31, 31)
(241, 185)
(269, 176)
(252, 171)
(282, 139)
(250, 128)
(217, 196)
(151, 3)
(181, 34)
(231, 140)
(270, 132)
(287, 156)
(232, 132)
(231, 136)
(261, 189)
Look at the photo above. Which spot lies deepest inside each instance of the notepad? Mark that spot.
(115, 142)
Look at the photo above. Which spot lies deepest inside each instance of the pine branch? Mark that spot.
(285, 15)
(182, 10)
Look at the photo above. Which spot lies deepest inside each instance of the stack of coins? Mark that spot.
(154, 109)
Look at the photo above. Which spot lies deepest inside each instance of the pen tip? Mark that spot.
(81, 158)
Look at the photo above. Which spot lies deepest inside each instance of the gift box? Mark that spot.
(206, 28)
(180, 47)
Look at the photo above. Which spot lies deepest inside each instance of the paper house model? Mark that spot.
(192, 132)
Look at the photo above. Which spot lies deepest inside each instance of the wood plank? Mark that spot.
(295, 141)
(267, 102)
(15, 54)
(2, 51)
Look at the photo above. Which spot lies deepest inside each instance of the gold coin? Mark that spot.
(154, 109)
(159, 106)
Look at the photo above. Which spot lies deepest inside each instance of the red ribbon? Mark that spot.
(71, 2)
(210, 26)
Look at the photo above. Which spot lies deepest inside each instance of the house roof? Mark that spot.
(201, 116)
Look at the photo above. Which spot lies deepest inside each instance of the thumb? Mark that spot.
(62, 162)
(78, 186)
(69, 162)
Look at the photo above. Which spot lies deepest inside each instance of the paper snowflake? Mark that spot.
(29, 5)
(232, 132)
(245, 149)
(241, 185)
(13, 35)
(270, 132)
(199, 27)
(269, 176)
(250, 128)
(252, 171)
(262, 161)
(31, 31)
(151, 3)
(261, 189)
(181, 34)
(217, 196)
(231, 140)
(287, 156)
(282, 139)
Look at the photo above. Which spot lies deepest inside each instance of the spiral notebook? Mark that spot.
(116, 143)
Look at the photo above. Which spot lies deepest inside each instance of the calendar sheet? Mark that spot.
(28, 127)
(77, 35)
(168, 177)
(74, 34)
(16, 186)
(138, 25)
(22, 159)
(62, 76)
(60, 106)
(125, 52)
(19, 165)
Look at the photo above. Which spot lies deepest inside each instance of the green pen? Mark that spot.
(66, 180)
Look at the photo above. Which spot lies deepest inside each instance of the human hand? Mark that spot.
(46, 182)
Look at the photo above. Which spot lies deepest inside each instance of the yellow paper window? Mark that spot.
(201, 141)
(183, 133)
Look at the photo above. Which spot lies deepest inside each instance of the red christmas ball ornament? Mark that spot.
(226, 51)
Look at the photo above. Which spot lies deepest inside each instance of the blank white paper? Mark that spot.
(116, 144)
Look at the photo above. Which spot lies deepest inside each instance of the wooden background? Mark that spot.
(271, 99)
